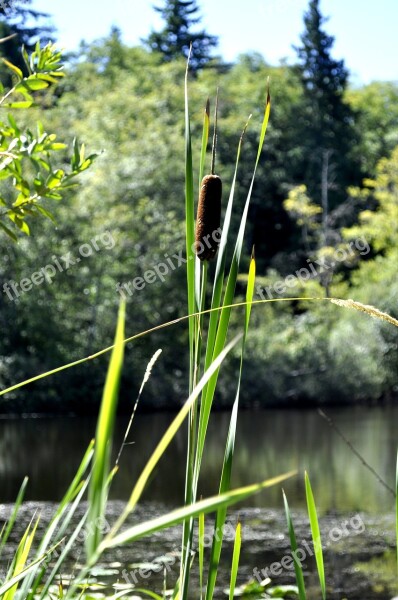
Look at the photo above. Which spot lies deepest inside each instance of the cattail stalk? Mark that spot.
(207, 235)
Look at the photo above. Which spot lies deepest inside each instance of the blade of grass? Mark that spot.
(230, 447)
(201, 551)
(316, 534)
(8, 584)
(293, 545)
(215, 309)
(177, 516)
(21, 557)
(43, 595)
(235, 561)
(59, 522)
(193, 282)
(189, 227)
(98, 489)
(11, 521)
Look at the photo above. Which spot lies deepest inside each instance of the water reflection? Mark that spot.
(268, 443)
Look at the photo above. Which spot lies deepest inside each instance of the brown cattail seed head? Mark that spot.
(207, 237)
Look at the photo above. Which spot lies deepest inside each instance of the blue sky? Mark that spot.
(365, 31)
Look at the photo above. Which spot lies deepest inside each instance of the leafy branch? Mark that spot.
(30, 170)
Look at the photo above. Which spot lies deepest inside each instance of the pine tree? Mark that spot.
(327, 126)
(177, 36)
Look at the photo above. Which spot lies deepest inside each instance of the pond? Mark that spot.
(268, 443)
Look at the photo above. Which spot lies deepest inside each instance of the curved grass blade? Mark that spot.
(43, 595)
(10, 524)
(98, 489)
(293, 544)
(21, 558)
(215, 309)
(177, 516)
(148, 593)
(316, 535)
(59, 523)
(235, 561)
(7, 585)
(167, 438)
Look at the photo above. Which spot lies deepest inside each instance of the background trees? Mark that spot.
(127, 103)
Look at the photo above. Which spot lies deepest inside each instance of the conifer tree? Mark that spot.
(174, 40)
(326, 127)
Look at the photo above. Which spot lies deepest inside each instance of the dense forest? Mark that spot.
(323, 219)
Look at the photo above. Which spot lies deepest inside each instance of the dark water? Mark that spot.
(268, 443)
(359, 564)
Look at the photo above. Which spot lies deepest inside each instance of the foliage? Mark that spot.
(376, 109)
(129, 103)
(378, 223)
(27, 157)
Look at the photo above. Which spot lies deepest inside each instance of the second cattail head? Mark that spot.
(208, 221)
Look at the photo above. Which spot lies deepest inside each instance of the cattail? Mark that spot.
(208, 233)
(208, 221)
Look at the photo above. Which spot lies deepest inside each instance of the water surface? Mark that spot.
(268, 443)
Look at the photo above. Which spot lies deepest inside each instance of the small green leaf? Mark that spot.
(13, 68)
(21, 104)
(54, 179)
(316, 534)
(13, 124)
(57, 146)
(8, 231)
(235, 561)
(293, 545)
(34, 84)
(45, 213)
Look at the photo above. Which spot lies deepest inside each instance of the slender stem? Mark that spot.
(355, 451)
(213, 150)
(190, 486)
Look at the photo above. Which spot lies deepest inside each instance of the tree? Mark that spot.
(327, 164)
(20, 26)
(175, 39)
